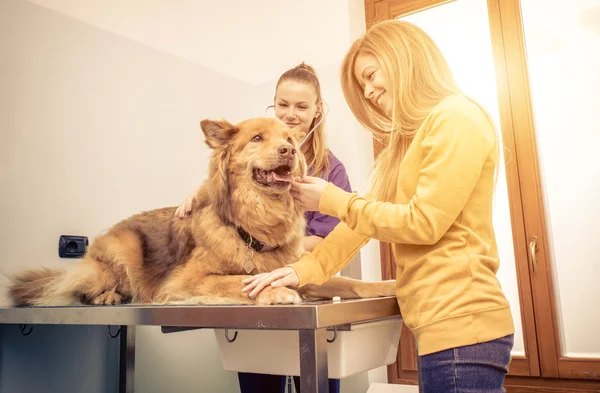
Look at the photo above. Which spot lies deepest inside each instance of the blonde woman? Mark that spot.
(298, 102)
(431, 197)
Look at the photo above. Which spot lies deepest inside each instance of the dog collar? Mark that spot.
(256, 245)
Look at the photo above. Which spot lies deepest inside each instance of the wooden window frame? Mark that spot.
(536, 288)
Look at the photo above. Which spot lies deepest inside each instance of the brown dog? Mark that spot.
(244, 222)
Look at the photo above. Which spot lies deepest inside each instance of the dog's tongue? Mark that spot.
(286, 178)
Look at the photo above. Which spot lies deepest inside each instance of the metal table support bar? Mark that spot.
(127, 360)
(313, 361)
(346, 327)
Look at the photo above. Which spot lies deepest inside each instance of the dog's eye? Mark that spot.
(289, 140)
(257, 138)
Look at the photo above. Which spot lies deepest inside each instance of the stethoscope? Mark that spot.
(326, 106)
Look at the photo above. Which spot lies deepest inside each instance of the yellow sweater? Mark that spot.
(440, 228)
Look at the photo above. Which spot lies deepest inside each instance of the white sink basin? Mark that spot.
(365, 347)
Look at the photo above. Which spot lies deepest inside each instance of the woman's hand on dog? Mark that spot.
(282, 277)
(308, 191)
(186, 207)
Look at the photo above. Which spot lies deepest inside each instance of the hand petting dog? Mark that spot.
(281, 277)
(307, 191)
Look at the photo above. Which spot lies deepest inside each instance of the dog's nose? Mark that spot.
(287, 151)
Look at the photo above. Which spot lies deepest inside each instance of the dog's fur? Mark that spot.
(155, 257)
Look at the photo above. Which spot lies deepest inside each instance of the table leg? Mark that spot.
(127, 360)
(314, 376)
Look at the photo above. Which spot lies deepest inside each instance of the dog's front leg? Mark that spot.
(224, 289)
(348, 288)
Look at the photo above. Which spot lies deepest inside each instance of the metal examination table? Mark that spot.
(311, 320)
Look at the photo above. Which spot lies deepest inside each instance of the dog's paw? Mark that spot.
(280, 295)
(108, 297)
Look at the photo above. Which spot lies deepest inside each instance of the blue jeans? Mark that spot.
(473, 368)
(266, 383)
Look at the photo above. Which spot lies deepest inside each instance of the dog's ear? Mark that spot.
(219, 191)
(218, 133)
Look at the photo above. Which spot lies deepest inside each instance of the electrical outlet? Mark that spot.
(72, 246)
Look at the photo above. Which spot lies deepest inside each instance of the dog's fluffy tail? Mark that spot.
(55, 287)
(31, 287)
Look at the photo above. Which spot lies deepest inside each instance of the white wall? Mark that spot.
(265, 34)
(98, 121)
(95, 128)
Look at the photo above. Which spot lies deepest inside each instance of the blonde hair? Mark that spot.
(419, 78)
(315, 148)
